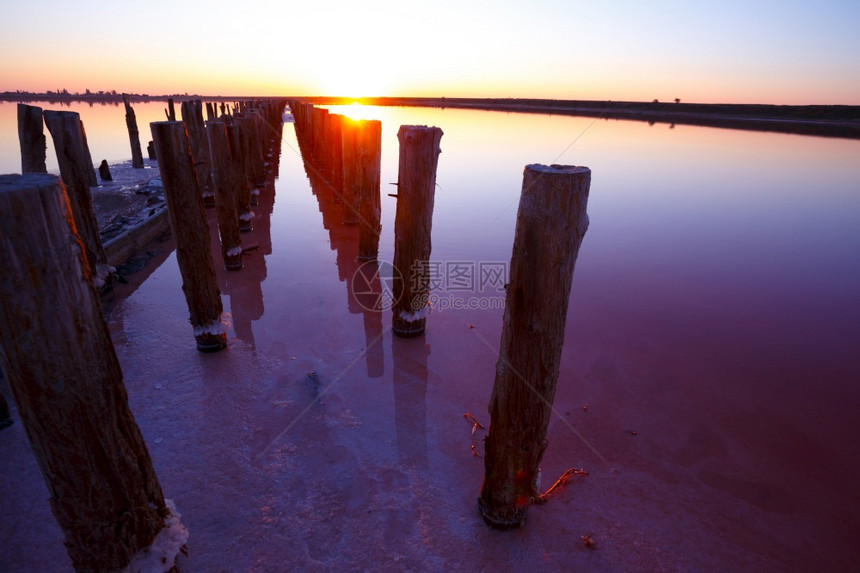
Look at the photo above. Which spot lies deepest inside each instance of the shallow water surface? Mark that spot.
(708, 382)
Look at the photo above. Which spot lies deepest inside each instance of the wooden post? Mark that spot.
(335, 172)
(170, 112)
(416, 187)
(225, 199)
(133, 134)
(369, 208)
(104, 171)
(237, 132)
(258, 169)
(75, 168)
(551, 223)
(67, 382)
(31, 136)
(191, 233)
(349, 155)
(150, 150)
(192, 116)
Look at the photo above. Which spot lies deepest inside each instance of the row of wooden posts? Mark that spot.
(55, 346)
(551, 223)
(220, 162)
(51, 322)
(345, 154)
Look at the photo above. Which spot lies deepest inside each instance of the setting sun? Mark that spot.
(357, 111)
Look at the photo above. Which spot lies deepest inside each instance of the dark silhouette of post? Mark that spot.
(31, 137)
(416, 187)
(5, 416)
(225, 197)
(133, 134)
(551, 223)
(104, 171)
(67, 382)
(191, 233)
(76, 168)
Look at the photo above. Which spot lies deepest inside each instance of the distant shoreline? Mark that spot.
(822, 120)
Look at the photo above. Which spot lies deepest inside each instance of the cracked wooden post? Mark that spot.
(31, 137)
(367, 201)
(225, 198)
(416, 189)
(191, 233)
(551, 222)
(76, 169)
(67, 382)
(192, 116)
(133, 134)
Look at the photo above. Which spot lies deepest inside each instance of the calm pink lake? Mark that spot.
(713, 334)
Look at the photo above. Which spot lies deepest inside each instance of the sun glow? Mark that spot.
(357, 111)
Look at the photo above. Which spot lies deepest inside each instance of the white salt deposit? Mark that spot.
(221, 326)
(160, 557)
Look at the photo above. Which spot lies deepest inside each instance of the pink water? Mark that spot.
(712, 334)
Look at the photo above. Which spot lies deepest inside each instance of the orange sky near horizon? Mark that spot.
(738, 52)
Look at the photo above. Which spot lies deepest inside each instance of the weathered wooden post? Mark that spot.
(31, 137)
(237, 132)
(170, 112)
(225, 198)
(191, 233)
(91, 172)
(416, 187)
(369, 207)
(76, 169)
(133, 134)
(67, 382)
(349, 155)
(335, 172)
(255, 149)
(551, 223)
(150, 150)
(192, 116)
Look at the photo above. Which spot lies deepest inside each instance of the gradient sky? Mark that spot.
(750, 51)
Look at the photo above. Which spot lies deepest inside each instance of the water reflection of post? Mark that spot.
(245, 288)
(410, 399)
(364, 290)
(363, 285)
